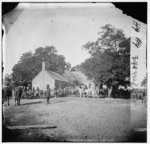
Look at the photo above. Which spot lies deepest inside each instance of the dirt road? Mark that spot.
(71, 119)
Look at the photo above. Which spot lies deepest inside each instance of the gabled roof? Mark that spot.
(69, 75)
(80, 76)
(76, 76)
(57, 76)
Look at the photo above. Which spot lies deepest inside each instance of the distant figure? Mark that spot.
(59, 92)
(41, 94)
(23, 92)
(48, 91)
(37, 92)
(6, 94)
(18, 94)
(81, 91)
(33, 90)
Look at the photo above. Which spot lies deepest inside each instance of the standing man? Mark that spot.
(48, 93)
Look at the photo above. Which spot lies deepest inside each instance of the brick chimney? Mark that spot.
(43, 61)
(43, 65)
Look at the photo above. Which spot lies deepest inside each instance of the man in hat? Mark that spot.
(48, 91)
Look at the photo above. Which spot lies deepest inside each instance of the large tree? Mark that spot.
(110, 59)
(30, 63)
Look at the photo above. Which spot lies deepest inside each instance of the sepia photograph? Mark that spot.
(74, 72)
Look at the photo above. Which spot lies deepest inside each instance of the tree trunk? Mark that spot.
(110, 91)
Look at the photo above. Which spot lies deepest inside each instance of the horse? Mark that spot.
(81, 91)
(57, 93)
(92, 92)
(139, 95)
(60, 92)
(18, 93)
(142, 96)
(6, 94)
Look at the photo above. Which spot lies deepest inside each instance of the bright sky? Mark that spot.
(65, 26)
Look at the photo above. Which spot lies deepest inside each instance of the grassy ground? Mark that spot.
(75, 119)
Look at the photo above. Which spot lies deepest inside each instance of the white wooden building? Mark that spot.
(84, 80)
(80, 77)
(45, 77)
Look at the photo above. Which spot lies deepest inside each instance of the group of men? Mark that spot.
(8, 91)
(17, 91)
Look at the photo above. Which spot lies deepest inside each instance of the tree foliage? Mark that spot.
(110, 58)
(76, 68)
(7, 81)
(109, 38)
(30, 64)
